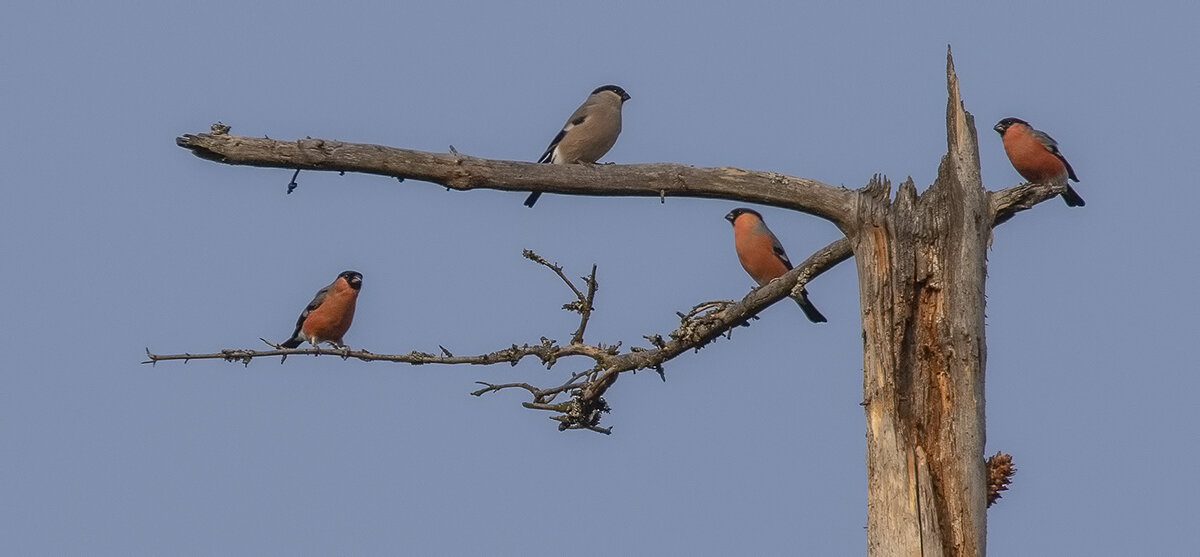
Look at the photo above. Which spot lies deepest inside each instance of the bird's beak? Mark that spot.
(731, 217)
(999, 129)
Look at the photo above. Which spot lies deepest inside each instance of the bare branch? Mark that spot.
(1006, 203)
(540, 396)
(530, 255)
(697, 328)
(585, 306)
(694, 332)
(702, 325)
(547, 351)
(490, 388)
(583, 302)
(462, 172)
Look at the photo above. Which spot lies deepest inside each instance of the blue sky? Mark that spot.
(114, 240)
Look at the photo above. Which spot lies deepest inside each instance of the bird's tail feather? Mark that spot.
(293, 342)
(1072, 197)
(533, 197)
(810, 311)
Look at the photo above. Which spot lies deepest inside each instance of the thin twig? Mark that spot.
(490, 388)
(530, 255)
(585, 306)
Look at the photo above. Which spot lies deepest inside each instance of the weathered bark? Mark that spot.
(921, 268)
(462, 172)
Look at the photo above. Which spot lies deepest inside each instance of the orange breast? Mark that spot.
(755, 252)
(332, 319)
(1031, 159)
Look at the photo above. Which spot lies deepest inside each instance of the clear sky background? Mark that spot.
(114, 240)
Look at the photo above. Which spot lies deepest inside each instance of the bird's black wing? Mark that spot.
(1052, 146)
(316, 302)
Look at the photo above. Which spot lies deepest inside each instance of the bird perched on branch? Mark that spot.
(762, 255)
(589, 133)
(327, 317)
(1035, 156)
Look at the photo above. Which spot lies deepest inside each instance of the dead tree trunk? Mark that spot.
(921, 269)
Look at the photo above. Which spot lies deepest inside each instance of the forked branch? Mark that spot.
(583, 302)
(697, 328)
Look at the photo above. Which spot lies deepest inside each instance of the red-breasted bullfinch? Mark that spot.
(762, 255)
(1035, 156)
(589, 133)
(327, 317)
